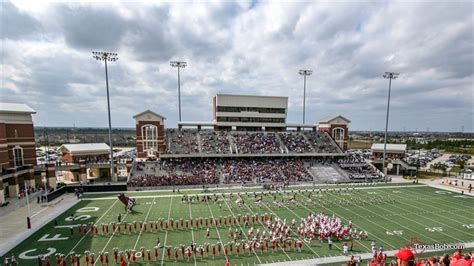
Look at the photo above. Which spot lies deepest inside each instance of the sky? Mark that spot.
(243, 47)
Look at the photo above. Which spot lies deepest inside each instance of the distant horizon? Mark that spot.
(350, 130)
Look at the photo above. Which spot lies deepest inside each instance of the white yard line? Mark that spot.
(141, 229)
(342, 217)
(110, 238)
(427, 216)
(233, 214)
(166, 235)
(217, 230)
(94, 224)
(394, 222)
(266, 206)
(378, 215)
(192, 230)
(264, 227)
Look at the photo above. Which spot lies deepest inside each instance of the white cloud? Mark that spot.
(236, 47)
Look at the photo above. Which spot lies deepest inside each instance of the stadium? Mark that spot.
(235, 133)
(240, 192)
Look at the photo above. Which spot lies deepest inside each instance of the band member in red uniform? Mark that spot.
(213, 250)
(115, 255)
(188, 252)
(176, 254)
(156, 253)
(71, 232)
(106, 258)
(237, 249)
(168, 251)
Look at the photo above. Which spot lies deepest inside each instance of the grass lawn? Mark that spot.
(392, 214)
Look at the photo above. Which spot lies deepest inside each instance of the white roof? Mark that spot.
(390, 147)
(85, 148)
(16, 108)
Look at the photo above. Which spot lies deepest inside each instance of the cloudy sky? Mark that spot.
(247, 47)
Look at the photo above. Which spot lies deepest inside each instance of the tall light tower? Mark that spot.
(389, 76)
(106, 56)
(179, 64)
(304, 73)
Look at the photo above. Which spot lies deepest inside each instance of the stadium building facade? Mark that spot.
(150, 134)
(17, 148)
(249, 112)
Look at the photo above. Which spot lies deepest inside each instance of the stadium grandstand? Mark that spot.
(244, 147)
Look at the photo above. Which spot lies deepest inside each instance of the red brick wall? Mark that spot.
(13, 135)
(346, 133)
(160, 137)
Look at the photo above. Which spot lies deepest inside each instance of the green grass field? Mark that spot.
(392, 214)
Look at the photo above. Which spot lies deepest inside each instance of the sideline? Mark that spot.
(24, 234)
(227, 193)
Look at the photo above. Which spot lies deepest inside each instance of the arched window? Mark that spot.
(149, 138)
(338, 136)
(18, 156)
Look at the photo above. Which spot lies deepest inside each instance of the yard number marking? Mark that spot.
(395, 233)
(443, 192)
(434, 229)
(88, 209)
(468, 226)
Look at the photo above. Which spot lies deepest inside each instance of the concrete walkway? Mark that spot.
(13, 227)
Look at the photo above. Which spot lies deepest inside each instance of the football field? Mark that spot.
(394, 215)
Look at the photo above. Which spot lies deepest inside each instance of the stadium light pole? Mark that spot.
(304, 73)
(112, 57)
(389, 76)
(179, 64)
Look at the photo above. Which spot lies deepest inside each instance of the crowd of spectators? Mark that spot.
(264, 170)
(321, 142)
(358, 169)
(296, 143)
(257, 143)
(223, 142)
(182, 142)
(175, 172)
(215, 142)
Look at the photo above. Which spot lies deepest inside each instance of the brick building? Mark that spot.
(150, 134)
(87, 152)
(338, 128)
(17, 148)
